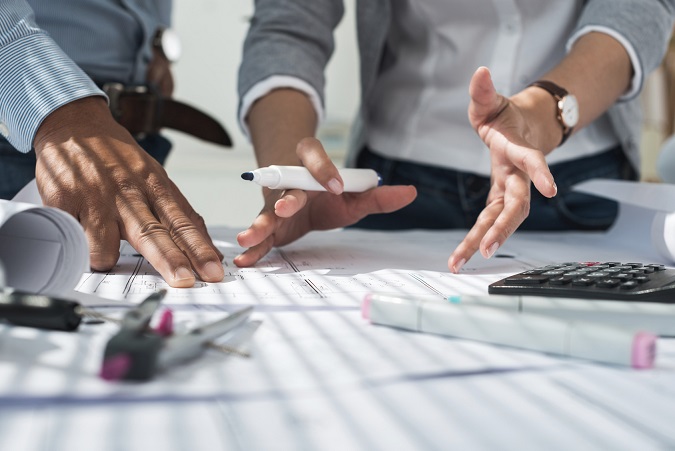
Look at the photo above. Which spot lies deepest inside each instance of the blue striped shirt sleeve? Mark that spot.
(36, 76)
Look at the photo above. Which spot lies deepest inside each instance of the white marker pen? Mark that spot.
(656, 317)
(298, 177)
(578, 339)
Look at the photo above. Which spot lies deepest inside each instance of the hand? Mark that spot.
(518, 139)
(90, 167)
(288, 215)
(159, 73)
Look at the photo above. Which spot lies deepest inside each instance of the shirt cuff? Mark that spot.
(36, 78)
(636, 82)
(269, 84)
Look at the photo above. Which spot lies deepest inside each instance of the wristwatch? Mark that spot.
(568, 107)
(167, 42)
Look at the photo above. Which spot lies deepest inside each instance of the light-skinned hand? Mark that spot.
(517, 146)
(290, 214)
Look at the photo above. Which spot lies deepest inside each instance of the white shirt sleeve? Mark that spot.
(636, 82)
(269, 84)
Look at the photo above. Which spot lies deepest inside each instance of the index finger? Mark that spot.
(314, 157)
(500, 218)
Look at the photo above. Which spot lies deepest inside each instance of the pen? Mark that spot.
(298, 177)
(577, 339)
(657, 317)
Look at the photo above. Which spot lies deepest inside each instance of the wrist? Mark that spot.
(66, 122)
(540, 112)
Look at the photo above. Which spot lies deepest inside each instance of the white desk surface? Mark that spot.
(322, 378)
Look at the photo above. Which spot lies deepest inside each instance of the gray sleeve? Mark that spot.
(646, 24)
(289, 37)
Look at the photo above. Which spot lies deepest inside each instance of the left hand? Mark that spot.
(518, 142)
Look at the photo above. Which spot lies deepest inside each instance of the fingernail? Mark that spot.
(555, 188)
(459, 265)
(335, 186)
(183, 273)
(492, 249)
(213, 272)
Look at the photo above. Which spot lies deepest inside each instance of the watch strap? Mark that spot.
(558, 92)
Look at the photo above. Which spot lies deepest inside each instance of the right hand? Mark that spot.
(91, 167)
(288, 215)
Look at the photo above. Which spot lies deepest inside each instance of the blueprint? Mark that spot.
(320, 376)
(321, 268)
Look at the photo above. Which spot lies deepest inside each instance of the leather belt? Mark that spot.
(142, 111)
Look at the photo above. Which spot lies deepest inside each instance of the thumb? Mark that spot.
(485, 103)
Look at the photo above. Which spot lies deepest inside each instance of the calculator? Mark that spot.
(593, 280)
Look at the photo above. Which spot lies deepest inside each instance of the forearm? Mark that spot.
(277, 123)
(597, 71)
(31, 66)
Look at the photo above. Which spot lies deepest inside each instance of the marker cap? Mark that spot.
(644, 350)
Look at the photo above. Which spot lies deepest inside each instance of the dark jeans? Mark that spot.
(448, 199)
(17, 169)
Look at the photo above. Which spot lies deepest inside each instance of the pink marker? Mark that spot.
(578, 339)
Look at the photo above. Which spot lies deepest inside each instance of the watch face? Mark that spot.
(569, 111)
(170, 45)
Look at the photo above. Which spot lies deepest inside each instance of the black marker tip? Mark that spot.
(247, 175)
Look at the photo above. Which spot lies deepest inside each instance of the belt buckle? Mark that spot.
(115, 91)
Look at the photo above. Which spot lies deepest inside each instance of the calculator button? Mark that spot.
(583, 281)
(634, 265)
(555, 272)
(612, 263)
(641, 279)
(598, 274)
(607, 283)
(576, 273)
(629, 285)
(657, 267)
(562, 280)
(534, 279)
(570, 267)
(587, 269)
(635, 272)
(623, 276)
